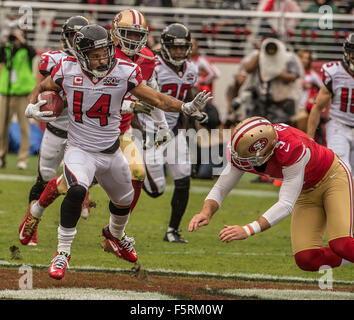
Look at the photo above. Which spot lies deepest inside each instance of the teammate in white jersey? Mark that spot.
(337, 88)
(176, 76)
(54, 139)
(95, 84)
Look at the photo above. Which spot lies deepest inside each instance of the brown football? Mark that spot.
(54, 102)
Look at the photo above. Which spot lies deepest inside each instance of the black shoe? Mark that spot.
(174, 236)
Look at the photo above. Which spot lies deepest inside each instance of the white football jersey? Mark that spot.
(94, 104)
(48, 60)
(341, 84)
(175, 85)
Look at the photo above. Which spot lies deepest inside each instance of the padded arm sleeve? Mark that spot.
(289, 191)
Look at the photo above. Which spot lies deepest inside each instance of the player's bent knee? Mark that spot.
(343, 247)
(306, 260)
(183, 183)
(125, 200)
(76, 194)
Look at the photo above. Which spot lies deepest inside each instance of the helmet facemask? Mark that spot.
(166, 54)
(129, 46)
(102, 70)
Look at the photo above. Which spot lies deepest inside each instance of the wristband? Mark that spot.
(252, 228)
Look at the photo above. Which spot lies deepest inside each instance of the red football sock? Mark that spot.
(343, 247)
(313, 259)
(49, 194)
(137, 185)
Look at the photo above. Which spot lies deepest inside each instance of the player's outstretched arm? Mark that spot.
(226, 181)
(322, 100)
(169, 103)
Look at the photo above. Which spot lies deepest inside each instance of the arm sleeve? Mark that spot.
(227, 180)
(289, 191)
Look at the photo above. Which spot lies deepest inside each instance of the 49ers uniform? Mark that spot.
(147, 67)
(177, 151)
(340, 128)
(305, 188)
(93, 132)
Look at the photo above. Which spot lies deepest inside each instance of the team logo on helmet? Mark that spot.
(118, 17)
(78, 37)
(258, 145)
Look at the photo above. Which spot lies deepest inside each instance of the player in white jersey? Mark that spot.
(95, 84)
(337, 89)
(54, 138)
(176, 76)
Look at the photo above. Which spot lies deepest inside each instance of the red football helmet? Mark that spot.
(253, 142)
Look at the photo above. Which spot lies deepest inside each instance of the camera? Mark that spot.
(271, 48)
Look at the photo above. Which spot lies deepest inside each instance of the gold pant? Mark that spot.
(327, 207)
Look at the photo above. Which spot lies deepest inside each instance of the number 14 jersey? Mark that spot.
(94, 104)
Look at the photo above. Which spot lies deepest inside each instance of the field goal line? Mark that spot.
(202, 274)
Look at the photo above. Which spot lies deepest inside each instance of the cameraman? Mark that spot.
(279, 72)
(16, 82)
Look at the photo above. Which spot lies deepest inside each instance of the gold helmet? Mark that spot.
(253, 142)
(125, 22)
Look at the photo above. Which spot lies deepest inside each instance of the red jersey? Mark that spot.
(291, 148)
(147, 67)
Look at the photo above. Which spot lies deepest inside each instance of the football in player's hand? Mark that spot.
(54, 102)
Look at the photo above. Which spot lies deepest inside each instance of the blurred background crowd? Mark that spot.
(256, 57)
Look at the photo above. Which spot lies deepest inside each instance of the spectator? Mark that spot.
(16, 83)
(207, 73)
(311, 83)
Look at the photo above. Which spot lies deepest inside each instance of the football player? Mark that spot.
(337, 89)
(176, 76)
(94, 99)
(317, 190)
(54, 139)
(129, 33)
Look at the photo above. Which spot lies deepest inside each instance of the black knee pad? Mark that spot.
(37, 189)
(70, 210)
(76, 194)
(118, 211)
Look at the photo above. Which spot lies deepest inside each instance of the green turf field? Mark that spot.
(268, 253)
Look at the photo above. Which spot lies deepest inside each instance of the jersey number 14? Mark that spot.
(99, 110)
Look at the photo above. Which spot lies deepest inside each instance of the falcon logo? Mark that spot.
(110, 81)
(258, 145)
(78, 81)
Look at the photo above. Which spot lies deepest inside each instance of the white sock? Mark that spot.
(37, 210)
(117, 225)
(65, 238)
